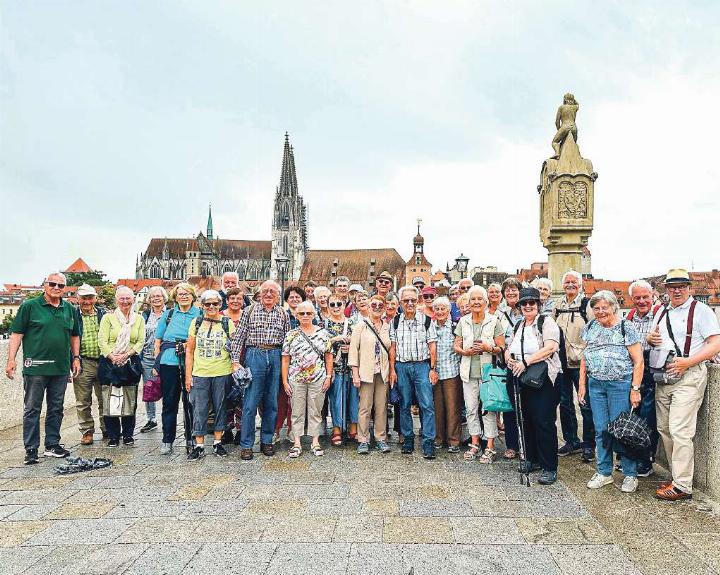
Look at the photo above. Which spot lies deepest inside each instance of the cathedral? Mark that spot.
(208, 255)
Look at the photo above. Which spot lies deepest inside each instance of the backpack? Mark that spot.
(582, 310)
(428, 321)
(631, 313)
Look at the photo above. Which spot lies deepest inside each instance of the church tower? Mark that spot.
(289, 227)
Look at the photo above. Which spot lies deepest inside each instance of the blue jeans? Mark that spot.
(344, 403)
(647, 412)
(568, 380)
(208, 391)
(265, 367)
(147, 367)
(609, 399)
(415, 376)
(37, 387)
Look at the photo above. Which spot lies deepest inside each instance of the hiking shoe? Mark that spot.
(113, 442)
(454, 449)
(588, 455)
(267, 449)
(166, 449)
(408, 445)
(629, 485)
(363, 448)
(87, 438)
(149, 426)
(219, 450)
(671, 493)
(56, 451)
(198, 452)
(645, 471)
(528, 467)
(31, 456)
(383, 446)
(547, 477)
(428, 450)
(599, 480)
(569, 449)
(246, 454)
(128, 441)
(227, 437)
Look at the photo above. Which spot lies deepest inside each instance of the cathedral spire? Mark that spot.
(209, 224)
(288, 180)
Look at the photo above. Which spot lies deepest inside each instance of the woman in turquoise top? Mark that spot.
(172, 328)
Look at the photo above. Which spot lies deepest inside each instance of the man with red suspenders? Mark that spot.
(685, 335)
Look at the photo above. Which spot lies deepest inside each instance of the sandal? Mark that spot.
(336, 439)
(317, 450)
(472, 452)
(295, 452)
(488, 456)
(510, 454)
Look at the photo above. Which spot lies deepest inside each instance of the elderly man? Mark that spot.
(642, 315)
(88, 315)
(383, 283)
(229, 280)
(572, 313)
(685, 335)
(418, 282)
(462, 287)
(48, 330)
(257, 343)
(413, 367)
(342, 288)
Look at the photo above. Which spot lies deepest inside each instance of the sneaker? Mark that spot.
(671, 493)
(618, 467)
(383, 447)
(129, 441)
(428, 450)
(599, 480)
(363, 448)
(87, 438)
(453, 449)
(56, 451)
(149, 426)
(227, 437)
(219, 450)
(113, 442)
(408, 445)
(547, 477)
(588, 455)
(166, 449)
(645, 471)
(528, 467)
(629, 485)
(31, 456)
(569, 449)
(198, 452)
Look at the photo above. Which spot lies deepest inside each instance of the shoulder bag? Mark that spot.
(534, 375)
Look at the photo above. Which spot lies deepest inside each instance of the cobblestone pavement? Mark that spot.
(342, 513)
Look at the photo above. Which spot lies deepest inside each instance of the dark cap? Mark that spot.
(529, 294)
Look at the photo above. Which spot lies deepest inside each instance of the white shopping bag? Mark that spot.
(116, 401)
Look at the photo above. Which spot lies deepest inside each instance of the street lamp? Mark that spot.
(282, 262)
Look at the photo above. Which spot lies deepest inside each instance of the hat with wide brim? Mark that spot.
(385, 275)
(529, 294)
(677, 276)
(418, 280)
(86, 289)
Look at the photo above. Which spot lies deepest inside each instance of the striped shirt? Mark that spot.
(259, 327)
(410, 339)
(448, 362)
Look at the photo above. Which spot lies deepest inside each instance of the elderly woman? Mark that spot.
(293, 297)
(478, 337)
(495, 297)
(207, 369)
(172, 329)
(447, 393)
(391, 307)
(322, 293)
(611, 371)
(463, 304)
(360, 307)
(340, 397)
(545, 287)
(157, 298)
(307, 365)
(370, 362)
(235, 301)
(508, 311)
(533, 340)
(121, 337)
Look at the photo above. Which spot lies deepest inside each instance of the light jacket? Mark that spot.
(362, 351)
(487, 335)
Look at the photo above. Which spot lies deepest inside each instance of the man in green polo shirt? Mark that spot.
(48, 330)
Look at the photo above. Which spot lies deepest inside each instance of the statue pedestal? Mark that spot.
(567, 191)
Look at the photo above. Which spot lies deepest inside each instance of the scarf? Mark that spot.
(122, 343)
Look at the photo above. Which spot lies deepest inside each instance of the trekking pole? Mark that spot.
(343, 391)
(524, 468)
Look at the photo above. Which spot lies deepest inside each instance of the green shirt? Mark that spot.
(211, 357)
(46, 331)
(89, 341)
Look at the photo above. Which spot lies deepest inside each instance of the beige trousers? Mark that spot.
(676, 407)
(84, 385)
(373, 394)
(312, 396)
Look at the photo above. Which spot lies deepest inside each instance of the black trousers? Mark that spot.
(170, 383)
(539, 408)
(113, 424)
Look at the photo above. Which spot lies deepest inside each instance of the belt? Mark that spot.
(266, 346)
(88, 357)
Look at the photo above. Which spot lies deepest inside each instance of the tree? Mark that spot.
(106, 296)
(6, 323)
(93, 278)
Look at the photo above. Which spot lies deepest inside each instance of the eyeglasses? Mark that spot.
(304, 313)
(56, 285)
(428, 296)
(382, 281)
(211, 304)
(464, 288)
(669, 288)
(377, 305)
(410, 301)
(335, 304)
(183, 294)
(529, 302)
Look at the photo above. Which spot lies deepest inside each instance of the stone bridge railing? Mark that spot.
(707, 438)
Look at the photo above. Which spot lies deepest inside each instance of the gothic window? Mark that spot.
(155, 272)
(205, 269)
(285, 215)
(285, 245)
(241, 271)
(227, 268)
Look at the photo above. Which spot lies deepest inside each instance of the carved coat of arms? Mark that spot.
(572, 200)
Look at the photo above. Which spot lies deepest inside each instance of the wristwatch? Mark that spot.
(76, 357)
(635, 387)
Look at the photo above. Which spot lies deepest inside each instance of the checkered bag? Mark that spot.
(631, 431)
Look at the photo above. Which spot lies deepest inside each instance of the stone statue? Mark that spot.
(565, 122)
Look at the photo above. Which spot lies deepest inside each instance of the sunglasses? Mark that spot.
(428, 296)
(56, 285)
(377, 305)
(212, 304)
(304, 313)
(382, 281)
(335, 304)
(669, 288)
(409, 301)
(528, 302)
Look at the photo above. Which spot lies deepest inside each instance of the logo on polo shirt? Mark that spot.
(30, 362)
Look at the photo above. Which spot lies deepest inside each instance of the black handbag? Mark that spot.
(632, 432)
(534, 375)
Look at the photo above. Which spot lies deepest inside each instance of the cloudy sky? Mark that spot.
(120, 121)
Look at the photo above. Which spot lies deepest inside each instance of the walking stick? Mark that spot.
(343, 392)
(524, 467)
(187, 408)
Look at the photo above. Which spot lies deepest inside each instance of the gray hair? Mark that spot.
(472, 283)
(442, 300)
(319, 290)
(544, 281)
(306, 305)
(344, 279)
(605, 295)
(495, 285)
(478, 289)
(230, 274)
(158, 289)
(123, 289)
(270, 283)
(58, 274)
(210, 294)
(573, 273)
(408, 288)
(391, 297)
(640, 284)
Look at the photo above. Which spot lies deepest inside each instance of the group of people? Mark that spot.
(313, 352)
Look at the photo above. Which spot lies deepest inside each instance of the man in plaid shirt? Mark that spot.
(258, 341)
